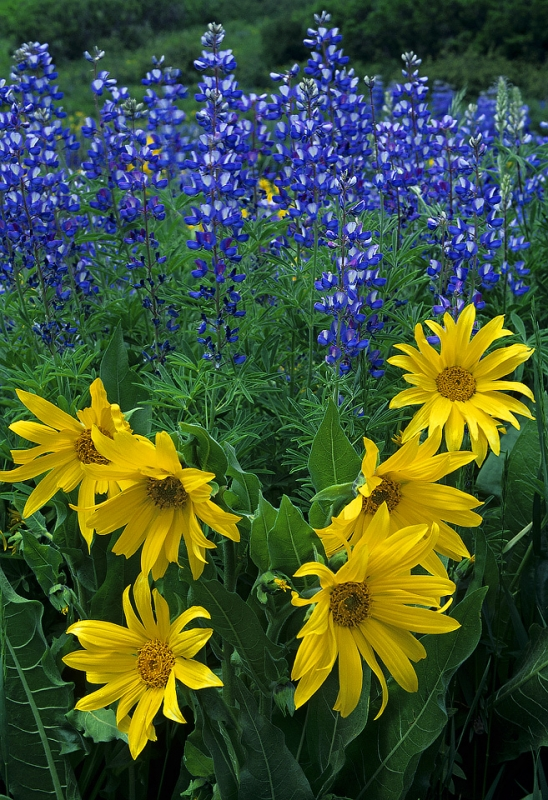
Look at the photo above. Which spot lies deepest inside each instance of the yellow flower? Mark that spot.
(406, 483)
(370, 606)
(139, 664)
(64, 447)
(457, 386)
(163, 503)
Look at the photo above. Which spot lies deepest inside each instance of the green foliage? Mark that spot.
(412, 722)
(236, 622)
(33, 701)
(332, 460)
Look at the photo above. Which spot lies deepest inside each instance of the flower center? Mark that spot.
(155, 661)
(456, 383)
(350, 603)
(388, 492)
(166, 493)
(85, 449)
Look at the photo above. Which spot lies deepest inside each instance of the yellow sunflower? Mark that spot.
(406, 483)
(64, 446)
(370, 606)
(456, 386)
(163, 503)
(139, 664)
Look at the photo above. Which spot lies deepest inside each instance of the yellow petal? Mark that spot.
(194, 674)
(48, 413)
(350, 672)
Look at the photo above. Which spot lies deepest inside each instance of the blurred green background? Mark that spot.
(465, 42)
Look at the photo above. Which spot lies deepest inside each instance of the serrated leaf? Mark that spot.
(412, 721)
(98, 725)
(33, 704)
(269, 770)
(291, 541)
(234, 620)
(332, 460)
(523, 700)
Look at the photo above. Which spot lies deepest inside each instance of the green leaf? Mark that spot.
(222, 738)
(261, 524)
(203, 451)
(245, 485)
(521, 477)
(292, 542)
(45, 561)
(121, 383)
(234, 620)
(197, 763)
(33, 704)
(98, 725)
(490, 476)
(269, 770)
(106, 603)
(412, 721)
(332, 459)
(328, 734)
(523, 700)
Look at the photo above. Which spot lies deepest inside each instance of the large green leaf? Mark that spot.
(332, 457)
(521, 477)
(245, 485)
(328, 734)
(261, 524)
(202, 451)
(291, 540)
(269, 770)
(412, 721)
(33, 704)
(221, 736)
(523, 700)
(98, 725)
(234, 620)
(121, 383)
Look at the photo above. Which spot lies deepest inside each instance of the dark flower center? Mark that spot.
(85, 449)
(155, 660)
(388, 492)
(166, 493)
(350, 603)
(456, 383)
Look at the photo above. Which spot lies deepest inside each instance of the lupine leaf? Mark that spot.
(234, 620)
(269, 771)
(33, 702)
(332, 460)
(412, 721)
